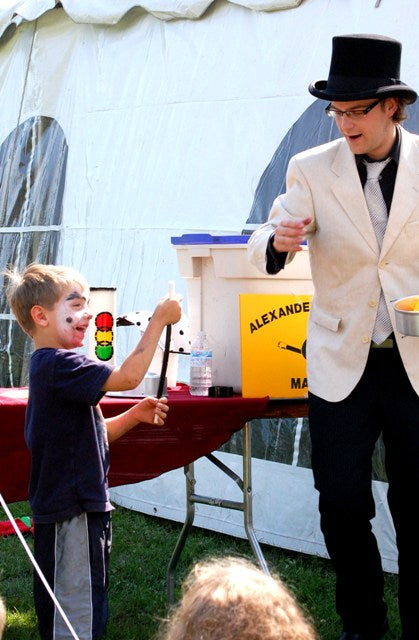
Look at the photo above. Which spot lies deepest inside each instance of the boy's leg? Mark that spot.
(74, 557)
(44, 551)
(100, 541)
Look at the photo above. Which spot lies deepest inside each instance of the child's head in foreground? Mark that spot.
(47, 299)
(232, 599)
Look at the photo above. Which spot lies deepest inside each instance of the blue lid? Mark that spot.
(207, 238)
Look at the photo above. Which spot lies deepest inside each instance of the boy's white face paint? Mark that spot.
(71, 316)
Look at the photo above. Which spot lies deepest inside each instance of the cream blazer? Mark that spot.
(347, 267)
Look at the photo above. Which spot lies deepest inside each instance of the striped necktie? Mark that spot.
(379, 217)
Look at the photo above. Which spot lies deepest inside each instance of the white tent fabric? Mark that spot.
(170, 125)
(284, 505)
(105, 12)
(167, 126)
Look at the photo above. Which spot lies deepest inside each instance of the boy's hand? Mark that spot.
(151, 410)
(169, 311)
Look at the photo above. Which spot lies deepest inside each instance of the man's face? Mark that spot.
(372, 134)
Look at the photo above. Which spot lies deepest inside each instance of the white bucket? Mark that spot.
(216, 274)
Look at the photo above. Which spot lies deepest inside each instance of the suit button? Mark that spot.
(372, 303)
(365, 339)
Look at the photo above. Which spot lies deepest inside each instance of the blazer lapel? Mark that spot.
(406, 190)
(348, 190)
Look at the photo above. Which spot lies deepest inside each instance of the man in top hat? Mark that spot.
(363, 375)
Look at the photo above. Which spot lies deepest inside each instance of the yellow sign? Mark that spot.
(273, 332)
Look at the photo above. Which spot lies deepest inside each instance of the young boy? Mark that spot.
(68, 440)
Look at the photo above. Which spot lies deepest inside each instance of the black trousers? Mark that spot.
(343, 436)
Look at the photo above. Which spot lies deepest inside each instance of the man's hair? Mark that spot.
(400, 114)
(41, 284)
(2, 616)
(233, 599)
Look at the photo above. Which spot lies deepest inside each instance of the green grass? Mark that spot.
(142, 546)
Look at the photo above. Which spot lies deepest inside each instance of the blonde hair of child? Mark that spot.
(41, 284)
(233, 599)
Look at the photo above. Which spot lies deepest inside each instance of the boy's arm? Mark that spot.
(130, 373)
(146, 410)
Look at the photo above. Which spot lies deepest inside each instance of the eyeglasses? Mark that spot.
(352, 114)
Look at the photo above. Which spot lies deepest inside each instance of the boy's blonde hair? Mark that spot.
(41, 284)
(233, 599)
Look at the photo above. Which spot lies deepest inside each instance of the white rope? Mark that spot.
(35, 564)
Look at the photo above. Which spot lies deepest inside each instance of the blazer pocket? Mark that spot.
(324, 319)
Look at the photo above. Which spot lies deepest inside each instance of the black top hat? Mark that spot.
(363, 66)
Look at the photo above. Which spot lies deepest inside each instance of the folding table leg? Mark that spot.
(248, 496)
(190, 515)
(246, 507)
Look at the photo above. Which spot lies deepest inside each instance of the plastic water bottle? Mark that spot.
(200, 366)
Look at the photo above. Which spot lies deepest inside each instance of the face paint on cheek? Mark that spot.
(65, 318)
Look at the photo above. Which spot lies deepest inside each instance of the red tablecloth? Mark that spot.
(195, 426)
